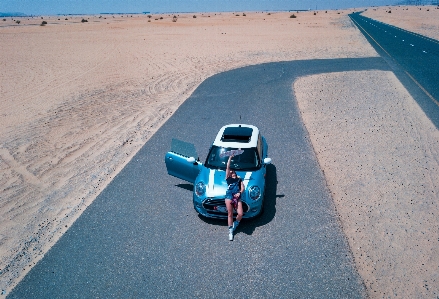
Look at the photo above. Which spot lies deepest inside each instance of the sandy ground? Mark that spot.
(79, 99)
(380, 156)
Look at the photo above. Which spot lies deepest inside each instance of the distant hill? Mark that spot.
(12, 14)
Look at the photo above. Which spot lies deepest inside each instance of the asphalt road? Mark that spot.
(415, 55)
(141, 237)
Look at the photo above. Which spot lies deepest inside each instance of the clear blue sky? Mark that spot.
(53, 7)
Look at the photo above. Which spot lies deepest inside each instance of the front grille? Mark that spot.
(212, 204)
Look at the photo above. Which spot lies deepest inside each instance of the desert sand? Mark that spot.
(79, 99)
(379, 153)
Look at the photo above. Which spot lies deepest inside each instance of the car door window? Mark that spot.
(183, 148)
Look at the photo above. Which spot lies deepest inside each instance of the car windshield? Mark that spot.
(244, 159)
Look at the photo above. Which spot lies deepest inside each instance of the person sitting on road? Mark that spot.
(235, 187)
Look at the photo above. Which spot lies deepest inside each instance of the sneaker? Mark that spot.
(235, 225)
(230, 233)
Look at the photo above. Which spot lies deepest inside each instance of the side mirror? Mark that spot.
(190, 159)
(267, 161)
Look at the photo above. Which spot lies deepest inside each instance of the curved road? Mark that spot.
(142, 238)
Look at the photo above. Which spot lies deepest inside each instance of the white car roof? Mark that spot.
(237, 136)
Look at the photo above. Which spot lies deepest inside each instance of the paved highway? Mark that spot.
(141, 237)
(417, 55)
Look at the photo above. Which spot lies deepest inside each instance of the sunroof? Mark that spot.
(237, 134)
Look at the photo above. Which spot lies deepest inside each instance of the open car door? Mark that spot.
(181, 161)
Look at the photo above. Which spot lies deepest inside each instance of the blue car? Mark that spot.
(249, 149)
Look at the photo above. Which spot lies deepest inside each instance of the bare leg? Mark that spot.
(230, 212)
(240, 211)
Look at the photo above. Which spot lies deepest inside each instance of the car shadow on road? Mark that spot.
(189, 187)
(248, 226)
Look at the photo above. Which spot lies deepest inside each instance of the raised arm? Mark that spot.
(228, 167)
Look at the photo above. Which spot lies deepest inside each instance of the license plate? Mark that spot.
(221, 209)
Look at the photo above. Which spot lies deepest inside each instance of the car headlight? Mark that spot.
(200, 189)
(254, 192)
